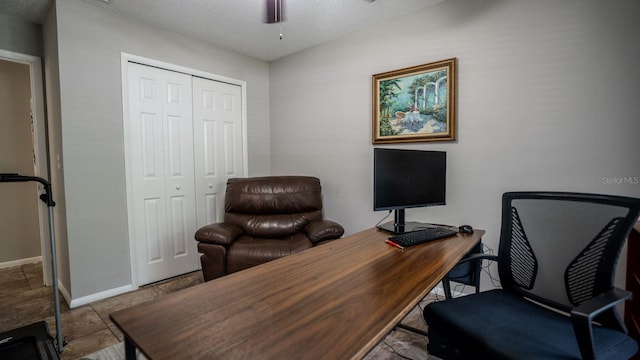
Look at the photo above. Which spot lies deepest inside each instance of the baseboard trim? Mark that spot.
(64, 292)
(20, 262)
(84, 300)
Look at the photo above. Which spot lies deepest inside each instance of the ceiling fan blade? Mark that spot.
(274, 11)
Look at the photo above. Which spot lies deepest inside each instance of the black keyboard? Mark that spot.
(422, 236)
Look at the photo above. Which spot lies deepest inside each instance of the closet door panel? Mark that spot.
(218, 144)
(160, 155)
(232, 134)
(153, 230)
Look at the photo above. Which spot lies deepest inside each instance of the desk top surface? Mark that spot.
(333, 301)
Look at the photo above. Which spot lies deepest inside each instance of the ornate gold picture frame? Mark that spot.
(415, 104)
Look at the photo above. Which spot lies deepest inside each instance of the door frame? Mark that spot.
(126, 58)
(39, 148)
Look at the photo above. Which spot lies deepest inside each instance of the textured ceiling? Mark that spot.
(33, 11)
(237, 24)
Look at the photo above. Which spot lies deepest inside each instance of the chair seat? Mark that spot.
(248, 251)
(519, 330)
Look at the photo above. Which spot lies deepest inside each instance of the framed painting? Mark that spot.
(415, 104)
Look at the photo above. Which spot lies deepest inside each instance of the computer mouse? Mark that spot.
(465, 229)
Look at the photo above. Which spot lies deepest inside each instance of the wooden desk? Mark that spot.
(334, 301)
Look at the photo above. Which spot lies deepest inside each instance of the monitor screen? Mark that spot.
(408, 178)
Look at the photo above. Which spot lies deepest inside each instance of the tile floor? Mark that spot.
(25, 300)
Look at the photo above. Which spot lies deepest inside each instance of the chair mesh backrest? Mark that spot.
(562, 248)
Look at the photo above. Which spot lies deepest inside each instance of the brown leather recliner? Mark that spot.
(265, 218)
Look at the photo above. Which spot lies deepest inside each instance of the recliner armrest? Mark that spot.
(323, 230)
(219, 233)
(582, 317)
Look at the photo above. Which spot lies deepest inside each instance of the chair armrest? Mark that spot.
(600, 303)
(478, 257)
(323, 230)
(582, 317)
(218, 233)
(476, 283)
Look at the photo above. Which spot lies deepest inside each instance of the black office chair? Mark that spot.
(556, 261)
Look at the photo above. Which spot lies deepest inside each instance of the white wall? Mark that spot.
(90, 42)
(547, 99)
(54, 137)
(20, 37)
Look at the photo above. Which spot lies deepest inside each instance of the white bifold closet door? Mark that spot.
(218, 144)
(183, 143)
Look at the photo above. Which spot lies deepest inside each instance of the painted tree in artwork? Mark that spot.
(389, 90)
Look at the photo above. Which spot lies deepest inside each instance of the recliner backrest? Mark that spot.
(274, 206)
(562, 248)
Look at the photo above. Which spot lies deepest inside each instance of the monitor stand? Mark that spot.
(408, 226)
(399, 226)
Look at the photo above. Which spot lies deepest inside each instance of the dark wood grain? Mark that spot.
(334, 301)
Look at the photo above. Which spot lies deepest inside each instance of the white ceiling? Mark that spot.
(237, 24)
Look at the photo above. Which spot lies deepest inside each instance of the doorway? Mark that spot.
(23, 151)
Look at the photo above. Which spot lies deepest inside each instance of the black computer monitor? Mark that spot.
(405, 179)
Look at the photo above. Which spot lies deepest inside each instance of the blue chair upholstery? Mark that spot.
(535, 333)
(556, 261)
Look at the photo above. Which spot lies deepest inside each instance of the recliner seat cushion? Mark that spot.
(273, 225)
(248, 251)
(517, 336)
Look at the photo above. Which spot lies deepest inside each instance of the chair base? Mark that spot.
(440, 347)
